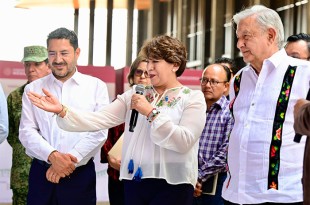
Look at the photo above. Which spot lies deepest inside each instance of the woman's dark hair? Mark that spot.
(133, 68)
(167, 48)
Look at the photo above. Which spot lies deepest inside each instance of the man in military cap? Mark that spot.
(36, 66)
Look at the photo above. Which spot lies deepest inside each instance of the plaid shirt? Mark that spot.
(213, 143)
(113, 135)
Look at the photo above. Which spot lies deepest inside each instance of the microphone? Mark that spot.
(297, 137)
(134, 113)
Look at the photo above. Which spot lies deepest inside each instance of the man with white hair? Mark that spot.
(265, 164)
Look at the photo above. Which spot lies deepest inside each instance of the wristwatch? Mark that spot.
(152, 115)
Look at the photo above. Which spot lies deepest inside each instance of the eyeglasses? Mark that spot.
(140, 72)
(205, 81)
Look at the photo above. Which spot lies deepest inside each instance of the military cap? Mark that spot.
(35, 53)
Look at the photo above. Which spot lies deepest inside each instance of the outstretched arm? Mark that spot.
(47, 102)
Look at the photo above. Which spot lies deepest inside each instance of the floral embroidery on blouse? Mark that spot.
(149, 97)
(170, 97)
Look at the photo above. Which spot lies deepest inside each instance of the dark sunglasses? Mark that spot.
(139, 73)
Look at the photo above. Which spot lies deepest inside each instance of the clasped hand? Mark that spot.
(198, 189)
(62, 165)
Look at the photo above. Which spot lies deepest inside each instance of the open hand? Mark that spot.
(48, 102)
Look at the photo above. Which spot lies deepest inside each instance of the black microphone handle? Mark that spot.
(133, 120)
(297, 137)
(134, 113)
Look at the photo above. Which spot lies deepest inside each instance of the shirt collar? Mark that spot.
(277, 58)
(220, 103)
(77, 78)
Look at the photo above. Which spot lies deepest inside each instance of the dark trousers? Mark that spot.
(268, 203)
(78, 189)
(213, 199)
(157, 192)
(116, 191)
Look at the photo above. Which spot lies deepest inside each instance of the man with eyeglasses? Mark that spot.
(214, 138)
(231, 64)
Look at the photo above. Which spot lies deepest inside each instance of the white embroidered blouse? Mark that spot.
(167, 148)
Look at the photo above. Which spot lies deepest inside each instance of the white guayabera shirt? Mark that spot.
(249, 150)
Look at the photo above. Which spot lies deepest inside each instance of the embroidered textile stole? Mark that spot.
(237, 82)
(276, 141)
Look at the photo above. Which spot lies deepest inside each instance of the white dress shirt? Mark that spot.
(39, 132)
(4, 120)
(249, 144)
(167, 148)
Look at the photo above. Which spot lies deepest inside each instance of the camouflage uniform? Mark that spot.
(21, 162)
